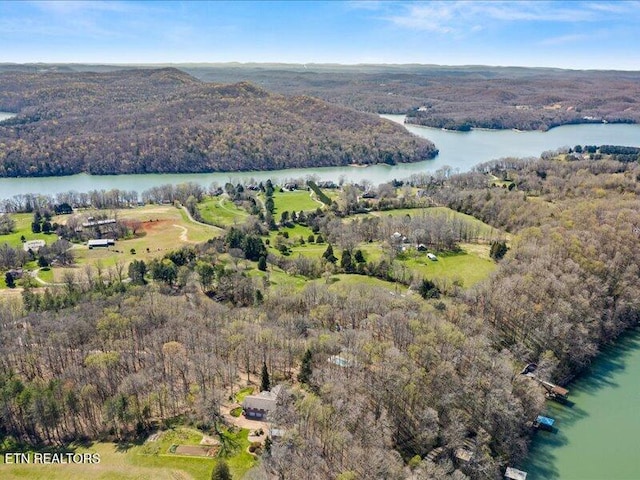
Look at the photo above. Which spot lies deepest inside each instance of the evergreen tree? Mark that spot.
(328, 255)
(346, 262)
(262, 263)
(267, 445)
(43, 262)
(498, 250)
(137, 271)
(305, 368)
(253, 247)
(265, 383)
(221, 471)
(359, 257)
(9, 280)
(428, 289)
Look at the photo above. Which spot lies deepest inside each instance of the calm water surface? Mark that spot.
(458, 150)
(598, 438)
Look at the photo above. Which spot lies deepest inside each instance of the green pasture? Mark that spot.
(294, 202)
(149, 460)
(467, 267)
(163, 228)
(23, 228)
(221, 211)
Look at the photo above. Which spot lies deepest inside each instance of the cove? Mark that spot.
(458, 150)
(597, 438)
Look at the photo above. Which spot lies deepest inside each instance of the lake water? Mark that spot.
(597, 439)
(459, 150)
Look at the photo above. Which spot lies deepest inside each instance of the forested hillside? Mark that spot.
(140, 121)
(454, 97)
(422, 375)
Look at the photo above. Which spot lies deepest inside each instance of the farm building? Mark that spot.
(257, 407)
(33, 245)
(93, 223)
(101, 243)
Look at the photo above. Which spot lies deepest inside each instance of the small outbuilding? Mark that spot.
(101, 243)
(432, 257)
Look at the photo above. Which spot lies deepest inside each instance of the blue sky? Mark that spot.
(573, 34)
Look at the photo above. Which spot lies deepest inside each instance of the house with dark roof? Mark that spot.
(257, 407)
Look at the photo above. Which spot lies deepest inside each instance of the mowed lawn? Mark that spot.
(149, 461)
(162, 228)
(468, 267)
(23, 228)
(294, 202)
(221, 211)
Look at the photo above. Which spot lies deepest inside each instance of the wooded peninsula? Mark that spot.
(166, 121)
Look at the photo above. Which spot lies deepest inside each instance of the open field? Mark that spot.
(150, 460)
(23, 227)
(221, 211)
(295, 201)
(163, 228)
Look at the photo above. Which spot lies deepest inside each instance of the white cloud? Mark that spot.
(462, 15)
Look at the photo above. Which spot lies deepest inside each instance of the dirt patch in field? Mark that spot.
(196, 450)
(210, 441)
(157, 225)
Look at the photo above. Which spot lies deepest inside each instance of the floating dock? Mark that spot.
(543, 423)
(515, 474)
(553, 391)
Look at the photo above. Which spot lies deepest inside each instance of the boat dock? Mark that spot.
(553, 391)
(543, 423)
(515, 474)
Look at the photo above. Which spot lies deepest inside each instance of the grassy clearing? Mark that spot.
(23, 228)
(240, 396)
(467, 267)
(277, 277)
(337, 282)
(294, 201)
(149, 460)
(221, 211)
(164, 228)
(46, 275)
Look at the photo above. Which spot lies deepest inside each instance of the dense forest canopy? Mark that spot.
(454, 97)
(164, 120)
